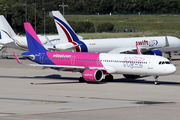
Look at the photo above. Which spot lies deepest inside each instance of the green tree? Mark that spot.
(174, 6)
(106, 6)
(17, 18)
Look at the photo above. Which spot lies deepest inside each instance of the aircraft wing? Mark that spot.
(108, 69)
(61, 67)
(3, 42)
(130, 50)
(65, 66)
(134, 50)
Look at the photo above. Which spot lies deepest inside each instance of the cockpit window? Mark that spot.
(167, 62)
(164, 62)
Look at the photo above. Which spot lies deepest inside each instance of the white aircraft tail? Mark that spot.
(66, 33)
(6, 30)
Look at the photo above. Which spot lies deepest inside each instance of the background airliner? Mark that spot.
(94, 65)
(147, 45)
(8, 37)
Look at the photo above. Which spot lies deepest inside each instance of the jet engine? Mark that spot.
(64, 46)
(92, 75)
(155, 52)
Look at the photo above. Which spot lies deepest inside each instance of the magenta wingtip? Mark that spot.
(16, 58)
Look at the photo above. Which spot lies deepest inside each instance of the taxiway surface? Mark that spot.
(34, 94)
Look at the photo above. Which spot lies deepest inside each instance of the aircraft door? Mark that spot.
(42, 57)
(150, 64)
(72, 60)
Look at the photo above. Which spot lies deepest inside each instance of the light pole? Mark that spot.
(63, 7)
(5, 13)
(35, 15)
(44, 22)
(25, 11)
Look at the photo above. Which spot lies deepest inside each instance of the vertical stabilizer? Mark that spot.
(66, 33)
(34, 44)
(5, 29)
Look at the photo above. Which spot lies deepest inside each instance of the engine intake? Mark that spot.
(93, 75)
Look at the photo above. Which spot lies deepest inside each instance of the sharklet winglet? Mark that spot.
(17, 59)
(138, 51)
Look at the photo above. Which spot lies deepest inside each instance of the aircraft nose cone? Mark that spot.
(172, 69)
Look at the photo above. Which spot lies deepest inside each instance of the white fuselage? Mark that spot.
(118, 45)
(112, 63)
(137, 64)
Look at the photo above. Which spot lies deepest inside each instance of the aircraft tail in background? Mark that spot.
(66, 33)
(5, 28)
(69, 39)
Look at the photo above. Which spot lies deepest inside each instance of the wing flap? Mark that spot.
(66, 66)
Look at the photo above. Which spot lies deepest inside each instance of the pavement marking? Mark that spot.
(49, 102)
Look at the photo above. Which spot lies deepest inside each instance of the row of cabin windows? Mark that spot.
(98, 60)
(57, 58)
(124, 61)
(69, 59)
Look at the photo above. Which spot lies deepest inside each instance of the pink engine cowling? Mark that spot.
(93, 75)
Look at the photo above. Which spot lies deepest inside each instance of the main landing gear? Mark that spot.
(109, 78)
(131, 76)
(4, 52)
(81, 80)
(169, 55)
(156, 80)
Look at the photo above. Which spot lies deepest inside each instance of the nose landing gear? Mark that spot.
(156, 80)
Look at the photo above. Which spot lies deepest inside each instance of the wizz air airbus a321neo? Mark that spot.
(94, 65)
(147, 45)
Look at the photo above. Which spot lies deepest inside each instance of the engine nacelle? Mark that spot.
(156, 52)
(64, 46)
(93, 75)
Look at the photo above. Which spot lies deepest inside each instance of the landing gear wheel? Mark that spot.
(109, 78)
(81, 80)
(137, 76)
(156, 80)
(156, 83)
